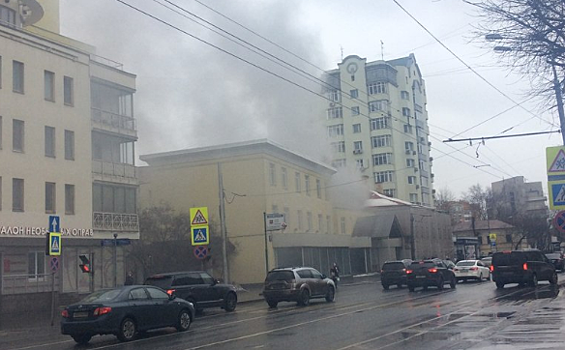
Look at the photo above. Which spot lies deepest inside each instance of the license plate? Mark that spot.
(465, 270)
(420, 276)
(81, 314)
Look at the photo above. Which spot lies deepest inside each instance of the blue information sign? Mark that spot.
(54, 224)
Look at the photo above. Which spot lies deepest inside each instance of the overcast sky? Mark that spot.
(190, 94)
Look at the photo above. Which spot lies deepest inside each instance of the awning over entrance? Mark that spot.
(378, 226)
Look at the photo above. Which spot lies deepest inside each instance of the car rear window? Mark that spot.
(553, 256)
(422, 264)
(280, 276)
(393, 266)
(466, 263)
(101, 296)
(508, 259)
(163, 282)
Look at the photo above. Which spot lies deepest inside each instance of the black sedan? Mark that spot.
(124, 312)
(557, 260)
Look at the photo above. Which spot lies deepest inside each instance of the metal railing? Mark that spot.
(115, 222)
(18, 284)
(114, 120)
(114, 169)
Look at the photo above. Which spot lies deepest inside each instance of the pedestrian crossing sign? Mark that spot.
(200, 235)
(54, 243)
(556, 195)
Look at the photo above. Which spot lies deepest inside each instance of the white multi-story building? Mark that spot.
(377, 121)
(67, 137)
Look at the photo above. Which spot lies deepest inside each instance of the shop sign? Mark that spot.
(21, 231)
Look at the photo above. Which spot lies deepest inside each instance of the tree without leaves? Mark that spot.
(443, 197)
(530, 37)
(477, 196)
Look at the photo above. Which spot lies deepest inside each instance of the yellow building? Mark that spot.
(258, 177)
(67, 136)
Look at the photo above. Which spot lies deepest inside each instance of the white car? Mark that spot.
(471, 269)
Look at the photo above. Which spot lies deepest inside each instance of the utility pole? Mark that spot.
(223, 224)
(559, 98)
(115, 259)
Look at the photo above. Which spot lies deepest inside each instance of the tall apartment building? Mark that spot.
(514, 197)
(67, 136)
(377, 121)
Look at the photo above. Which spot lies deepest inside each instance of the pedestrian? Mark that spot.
(129, 278)
(334, 274)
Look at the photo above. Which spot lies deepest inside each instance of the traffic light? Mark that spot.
(85, 266)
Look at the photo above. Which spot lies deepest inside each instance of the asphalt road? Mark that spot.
(473, 316)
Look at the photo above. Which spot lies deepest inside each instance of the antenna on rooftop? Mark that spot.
(341, 48)
(382, 50)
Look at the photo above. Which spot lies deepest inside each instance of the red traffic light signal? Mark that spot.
(85, 266)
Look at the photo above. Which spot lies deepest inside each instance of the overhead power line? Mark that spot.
(503, 136)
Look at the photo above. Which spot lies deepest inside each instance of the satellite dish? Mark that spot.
(32, 12)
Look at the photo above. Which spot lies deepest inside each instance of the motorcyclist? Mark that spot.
(334, 273)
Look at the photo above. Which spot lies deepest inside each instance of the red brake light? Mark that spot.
(170, 291)
(99, 311)
(432, 270)
(525, 266)
(455, 269)
(409, 272)
(474, 268)
(65, 313)
(491, 267)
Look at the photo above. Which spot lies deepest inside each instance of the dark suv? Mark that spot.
(428, 273)
(557, 259)
(198, 287)
(299, 284)
(394, 272)
(522, 267)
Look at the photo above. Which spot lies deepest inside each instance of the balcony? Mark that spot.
(115, 222)
(114, 172)
(112, 122)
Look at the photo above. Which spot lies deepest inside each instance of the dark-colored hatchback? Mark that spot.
(198, 287)
(522, 267)
(429, 273)
(394, 273)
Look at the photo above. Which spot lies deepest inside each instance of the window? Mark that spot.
(406, 111)
(18, 136)
(334, 113)
(379, 106)
(389, 192)
(380, 123)
(49, 142)
(49, 86)
(157, 294)
(69, 145)
(300, 223)
(309, 221)
(354, 93)
(355, 111)
(338, 147)
(409, 146)
(137, 294)
(333, 95)
(272, 174)
(404, 95)
(413, 197)
(70, 199)
(110, 199)
(319, 188)
(357, 146)
(297, 182)
(384, 176)
(0, 128)
(508, 238)
(360, 164)
(320, 223)
(339, 163)
(410, 163)
(68, 91)
(287, 216)
(342, 224)
(377, 88)
(307, 184)
(382, 158)
(356, 128)
(36, 265)
(328, 224)
(408, 128)
(284, 178)
(335, 130)
(381, 141)
(17, 194)
(18, 77)
(412, 180)
(50, 198)
(7, 16)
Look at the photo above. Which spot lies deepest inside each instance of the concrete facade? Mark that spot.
(515, 197)
(377, 122)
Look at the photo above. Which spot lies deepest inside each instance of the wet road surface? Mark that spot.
(473, 316)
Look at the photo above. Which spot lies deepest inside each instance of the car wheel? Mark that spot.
(272, 303)
(82, 339)
(453, 283)
(230, 302)
(534, 280)
(440, 284)
(385, 286)
(127, 330)
(410, 288)
(304, 299)
(183, 323)
(499, 284)
(553, 279)
(330, 296)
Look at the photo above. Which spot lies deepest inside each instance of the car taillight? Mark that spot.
(474, 268)
(404, 270)
(99, 311)
(409, 272)
(432, 270)
(170, 291)
(455, 269)
(65, 313)
(525, 266)
(491, 268)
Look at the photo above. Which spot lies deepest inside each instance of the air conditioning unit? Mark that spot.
(431, 159)
(332, 104)
(408, 151)
(357, 151)
(417, 186)
(414, 153)
(415, 170)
